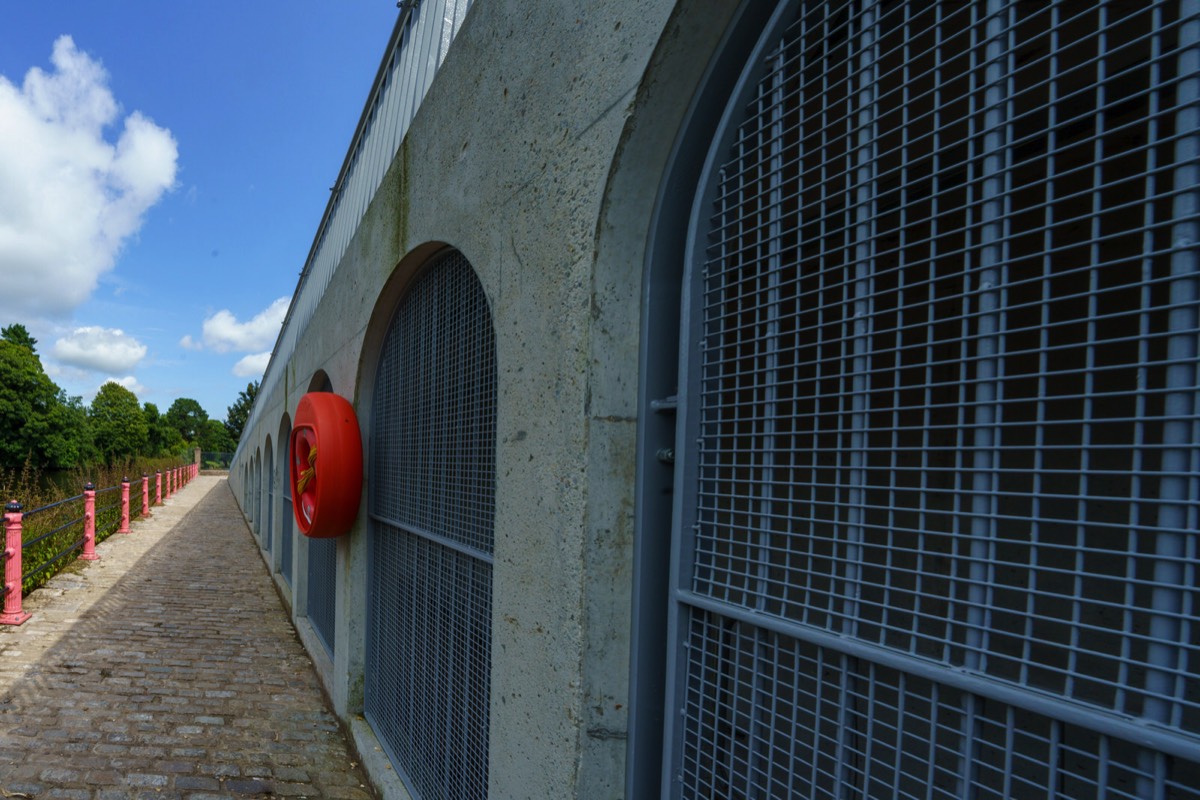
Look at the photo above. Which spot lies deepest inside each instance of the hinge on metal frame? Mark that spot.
(665, 405)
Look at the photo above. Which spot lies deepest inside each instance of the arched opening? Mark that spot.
(286, 532)
(936, 376)
(431, 508)
(322, 564)
(269, 501)
(257, 500)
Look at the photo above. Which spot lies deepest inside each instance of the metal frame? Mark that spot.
(938, 452)
(658, 361)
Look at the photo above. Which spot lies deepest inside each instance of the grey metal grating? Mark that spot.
(258, 495)
(772, 716)
(286, 537)
(943, 391)
(269, 499)
(432, 499)
(322, 585)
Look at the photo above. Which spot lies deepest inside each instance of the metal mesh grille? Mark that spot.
(269, 501)
(285, 510)
(946, 380)
(789, 719)
(322, 584)
(432, 505)
(437, 436)
(257, 496)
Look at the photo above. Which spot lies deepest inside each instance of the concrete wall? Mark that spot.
(538, 153)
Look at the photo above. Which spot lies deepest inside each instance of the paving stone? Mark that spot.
(196, 782)
(137, 779)
(149, 673)
(248, 786)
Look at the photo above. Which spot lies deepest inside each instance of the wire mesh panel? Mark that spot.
(941, 409)
(269, 501)
(286, 537)
(322, 585)
(257, 494)
(432, 502)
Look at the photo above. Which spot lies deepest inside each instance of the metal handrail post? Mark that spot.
(145, 495)
(158, 487)
(13, 615)
(124, 506)
(89, 523)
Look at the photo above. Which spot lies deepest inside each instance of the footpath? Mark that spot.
(167, 669)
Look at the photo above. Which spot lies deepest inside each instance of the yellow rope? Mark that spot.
(308, 474)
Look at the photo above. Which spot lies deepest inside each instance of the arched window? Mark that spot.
(432, 499)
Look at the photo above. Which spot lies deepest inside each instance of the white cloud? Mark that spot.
(70, 197)
(188, 343)
(129, 382)
(223, 332)
(100, 349)
(252, 366)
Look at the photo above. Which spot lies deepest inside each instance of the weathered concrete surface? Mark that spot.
(539, 154)
(167, 669)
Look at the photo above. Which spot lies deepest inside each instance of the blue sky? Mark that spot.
(162, 174)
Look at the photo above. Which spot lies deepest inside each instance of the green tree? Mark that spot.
(28, 403)
(19, 334)
(239, 412)
(68, 440)
(188, 417)
(161, 439)
(119, 427)
(215, 438)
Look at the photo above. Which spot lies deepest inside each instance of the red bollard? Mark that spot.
(13, 615)
(158, 487)
(89, 522)
(167, 480)
(145, 495)
(124, 506)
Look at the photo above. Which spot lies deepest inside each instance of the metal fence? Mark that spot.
(215, 460)
(43, 541)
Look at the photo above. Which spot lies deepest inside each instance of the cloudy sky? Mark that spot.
(163, 169)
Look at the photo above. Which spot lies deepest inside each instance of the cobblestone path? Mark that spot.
(167, 669)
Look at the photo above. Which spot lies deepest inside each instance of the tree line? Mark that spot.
(41, 425)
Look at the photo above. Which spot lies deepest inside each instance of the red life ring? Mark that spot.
(326, 465)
